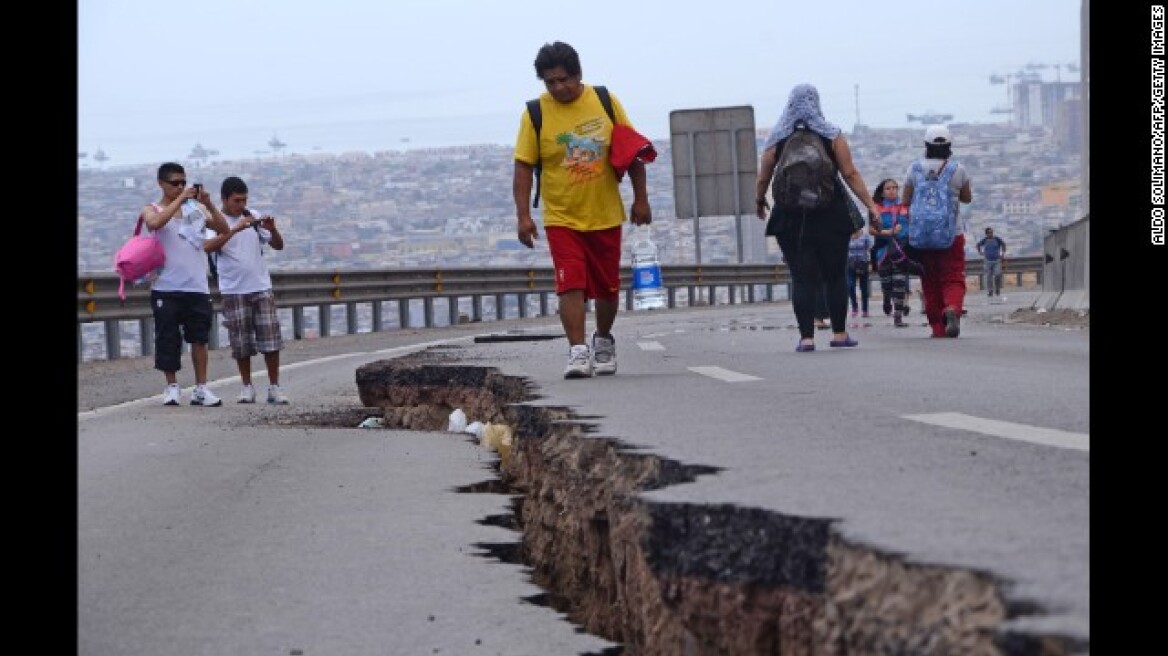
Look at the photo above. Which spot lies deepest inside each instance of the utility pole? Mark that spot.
(858, 121)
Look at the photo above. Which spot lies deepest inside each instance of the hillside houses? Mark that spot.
(454, 206)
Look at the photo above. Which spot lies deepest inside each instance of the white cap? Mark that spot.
(937, 134)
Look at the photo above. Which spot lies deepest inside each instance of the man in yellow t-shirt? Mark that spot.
(583, 212)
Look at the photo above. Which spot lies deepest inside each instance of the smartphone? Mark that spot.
(198, 189)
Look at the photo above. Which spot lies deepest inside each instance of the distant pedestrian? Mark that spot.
(180, 297)
(814, 241)
(993, 252)
(859, 266)
(249, 304)
(943, 279)
(583, 213)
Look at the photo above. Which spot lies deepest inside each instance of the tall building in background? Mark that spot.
(1068, 126)
(1039, 104)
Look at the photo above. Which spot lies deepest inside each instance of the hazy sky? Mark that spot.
(366, 74)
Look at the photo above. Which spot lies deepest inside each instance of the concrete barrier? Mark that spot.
(1066, 268)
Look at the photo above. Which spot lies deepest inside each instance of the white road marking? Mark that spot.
(1008, 430)
(651, 346)
(157, 398)
(723, 374)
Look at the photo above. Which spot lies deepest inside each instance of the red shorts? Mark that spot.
(586, 260)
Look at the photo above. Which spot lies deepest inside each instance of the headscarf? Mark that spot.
(802, 105)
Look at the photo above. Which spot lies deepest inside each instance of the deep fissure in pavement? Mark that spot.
(680, 578)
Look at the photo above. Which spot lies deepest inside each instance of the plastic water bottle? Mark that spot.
(648, 293)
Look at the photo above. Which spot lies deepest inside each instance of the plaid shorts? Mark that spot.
(252, 324)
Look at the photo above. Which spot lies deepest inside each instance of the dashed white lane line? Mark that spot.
(723, 374)
(1008, 430)
(651, 346)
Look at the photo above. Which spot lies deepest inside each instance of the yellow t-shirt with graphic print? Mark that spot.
(578, 187)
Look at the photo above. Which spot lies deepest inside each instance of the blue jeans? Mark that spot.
(992, 270)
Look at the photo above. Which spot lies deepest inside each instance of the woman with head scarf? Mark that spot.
(814, 242)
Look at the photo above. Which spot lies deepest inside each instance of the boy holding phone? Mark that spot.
(249, 305)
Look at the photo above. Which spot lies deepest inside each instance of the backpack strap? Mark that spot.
(606, 100)
(142, 219)
(536, 113)
(946, 174)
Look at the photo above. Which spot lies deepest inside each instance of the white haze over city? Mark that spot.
(154, 80)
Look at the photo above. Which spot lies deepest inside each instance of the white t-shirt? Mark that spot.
(241, 265)
(186, 264)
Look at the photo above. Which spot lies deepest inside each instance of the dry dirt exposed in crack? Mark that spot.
(1056, 318)
(687, 578)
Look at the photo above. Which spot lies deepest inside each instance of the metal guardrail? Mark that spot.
(97, 293)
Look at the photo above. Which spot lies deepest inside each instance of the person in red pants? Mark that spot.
(943, 280)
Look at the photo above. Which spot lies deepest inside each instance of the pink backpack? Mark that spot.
(139, 259)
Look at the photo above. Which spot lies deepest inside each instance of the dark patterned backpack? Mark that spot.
(805, 173)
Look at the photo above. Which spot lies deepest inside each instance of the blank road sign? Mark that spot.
(715, 158)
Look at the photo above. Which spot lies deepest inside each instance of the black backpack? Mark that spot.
(536, 113)
(805, 173)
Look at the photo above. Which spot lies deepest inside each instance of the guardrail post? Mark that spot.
(146, 335)
(428, 311)
(299, 292)
(378, 319)
(325, 319)
(351, 318)
(403, 313)
(113, 339)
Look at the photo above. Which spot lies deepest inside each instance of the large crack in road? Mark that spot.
(672, 578)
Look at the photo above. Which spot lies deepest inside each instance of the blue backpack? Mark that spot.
(933, 213)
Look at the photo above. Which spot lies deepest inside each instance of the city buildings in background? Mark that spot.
(451, 207)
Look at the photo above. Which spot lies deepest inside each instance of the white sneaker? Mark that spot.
(172, 395)
(579, 362)
(247, 394)
(276, 395)
(604, 355)
(205, 397)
